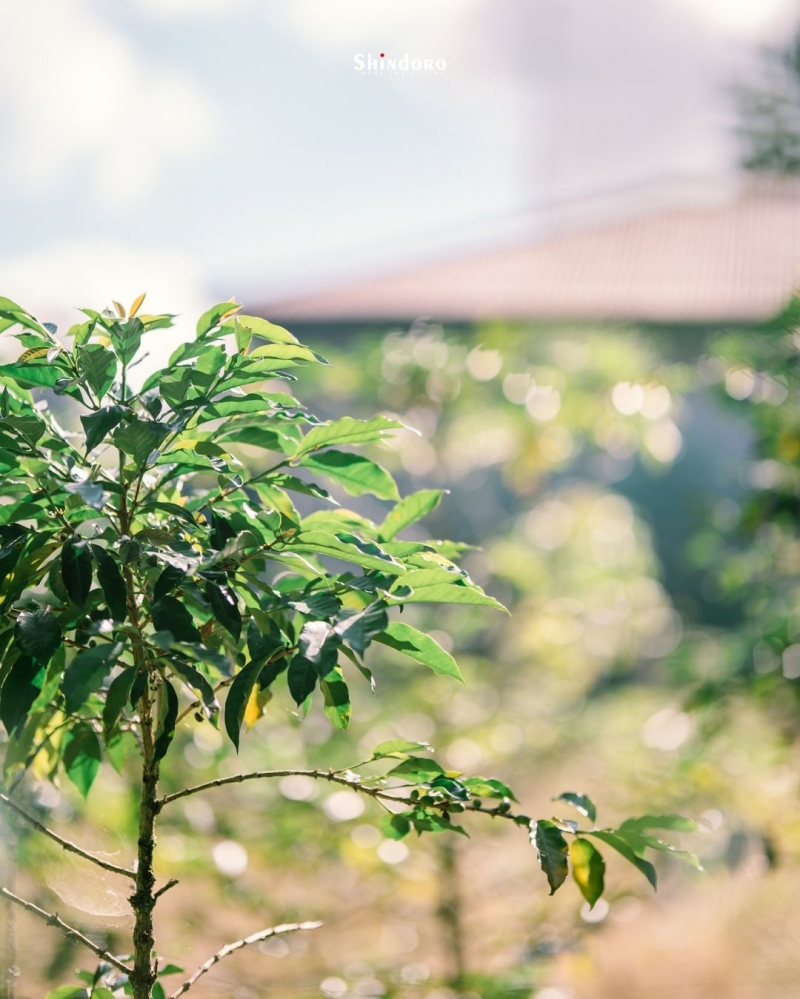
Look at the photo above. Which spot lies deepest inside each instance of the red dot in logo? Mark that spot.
(381, 55)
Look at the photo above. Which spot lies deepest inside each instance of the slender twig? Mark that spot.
(233, 947)
(64, 843)
(53, 919)
(170, 884)
(381, 794)
(198, 704)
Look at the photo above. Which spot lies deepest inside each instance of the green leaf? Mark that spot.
(408, 511)
(76, 570)
(21, 687)
(397, 748)
(225, 609)
(139, 439)
(488, 787)
(246, 327)
(195, 679)
(419, 647)
(101, 993)
(81, 754)
(588, 869)
(214, 316)
(356, 473)
(580, 802)
(238, 696)
(348, 431)
(302, 678)
(171, 577)
(117, 697)
(38, 634)
(552, 849)
(418, 769)
(336, 696)
(675, 822)
(624, 848)
(286, 352)
(68, 992)
(347, 547)
(98, 365)
(86, 673)
(111, 583)
(98, 424)
(360, 627)
(169, 614)
(396, 826)
(639, 842)
(167, 719)
(439, 586)
(31, 375)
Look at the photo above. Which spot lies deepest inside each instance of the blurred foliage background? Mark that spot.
(633, 497)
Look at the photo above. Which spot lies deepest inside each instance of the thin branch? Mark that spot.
(381, 794)
(233, 947)
(52, 919)
(170, 884)
(64, 843)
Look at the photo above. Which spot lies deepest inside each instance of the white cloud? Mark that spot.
(77, 96)
(53, 283)
(188, 8)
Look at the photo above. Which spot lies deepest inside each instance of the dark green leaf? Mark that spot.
(167, 718)
(238, 696)
(195, 679)
(552, 849)
(117, 697)
(419, 647)
(169, 614)
(111, 582)
(580, 802)
(171, 577)
(32, 375)
(98, 365)
(86, 673)
(139, 439)
(336, 698)
(98, 424)
(38, 634)
(76, 570)
(81, 756)
(360, 627)
(20, 689)
(302, 678)
(225, 609)
(624, 848)
(588, 869)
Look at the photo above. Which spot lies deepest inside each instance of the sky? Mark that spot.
(198, 149)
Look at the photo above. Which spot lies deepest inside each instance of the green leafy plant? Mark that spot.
(144, 570)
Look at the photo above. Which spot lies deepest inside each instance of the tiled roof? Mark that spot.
(734, 261)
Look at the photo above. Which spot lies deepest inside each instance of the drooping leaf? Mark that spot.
(86, 673)
(38, 633)
(169, 614)
(580, 802)
(347, 547)
(195, 679)
(81, 756)
(302, 677)
(168, 716)
(552, 849)
(588, 869)
(360, 627)
(418, 769)
(336, 698)
(356, 473)
(111, 583)
(171, 577)
(76, 570)
(225, 609)
(624, 848)
(408, 511)
(237, 699)
(100, 423)
(419, 647)
(117, 697)
(19, 692)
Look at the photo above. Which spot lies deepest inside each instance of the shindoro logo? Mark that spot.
(367, 64)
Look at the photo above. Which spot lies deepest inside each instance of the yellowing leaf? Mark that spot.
(119, 308)
(256, 703)
(137, 304)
